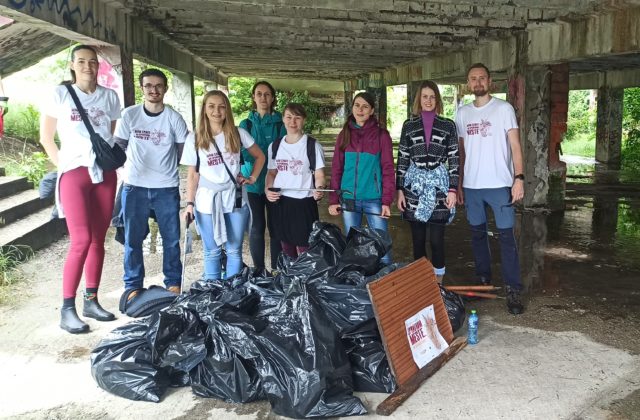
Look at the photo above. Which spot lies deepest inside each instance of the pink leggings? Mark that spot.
(87, 208)
(292, 250)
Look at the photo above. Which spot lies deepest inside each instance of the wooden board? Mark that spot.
(389, 405)
(397, 297)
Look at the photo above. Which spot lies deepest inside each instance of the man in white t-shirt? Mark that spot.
(153, 136)
(493, 176)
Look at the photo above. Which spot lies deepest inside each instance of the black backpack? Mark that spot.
(311, 151)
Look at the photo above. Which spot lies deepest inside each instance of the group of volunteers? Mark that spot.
(267, 173)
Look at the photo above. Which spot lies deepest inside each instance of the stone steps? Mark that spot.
(25, 219)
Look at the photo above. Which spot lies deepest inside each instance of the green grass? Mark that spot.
(10, 276)
(582, 145)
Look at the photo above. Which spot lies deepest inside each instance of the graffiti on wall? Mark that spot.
(72, 17)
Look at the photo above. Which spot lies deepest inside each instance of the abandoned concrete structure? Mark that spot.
(537, 49)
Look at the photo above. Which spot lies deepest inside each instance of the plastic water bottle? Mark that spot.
(472, 333)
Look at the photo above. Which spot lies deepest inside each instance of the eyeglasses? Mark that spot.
(149, 88)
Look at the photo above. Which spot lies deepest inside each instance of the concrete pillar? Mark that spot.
(183, 97)
(535, 134)
(609, 125)
(380, 93)
(559, 112)
(531, 247)
(128, 78)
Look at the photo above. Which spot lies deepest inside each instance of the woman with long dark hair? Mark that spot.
(85, 193)
(215, 188)
(427, 174)
(362, 167)
(265, 125)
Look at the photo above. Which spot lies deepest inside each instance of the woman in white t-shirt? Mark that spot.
(215, 196)
(85, 193)
(291, 176)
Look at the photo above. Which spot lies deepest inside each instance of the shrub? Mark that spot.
(23, 122)
(34, 166)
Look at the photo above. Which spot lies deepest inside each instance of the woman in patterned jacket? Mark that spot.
(427, 174)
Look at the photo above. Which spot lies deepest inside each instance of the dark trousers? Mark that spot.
(436, 240)
(261, 219)
(508, 255)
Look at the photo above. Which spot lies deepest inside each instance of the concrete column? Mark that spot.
(128, 78)
(380, 93)
(535, 132)
(609, 125)
(559, 112)
(183, 97)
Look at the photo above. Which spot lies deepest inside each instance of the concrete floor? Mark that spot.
(574, 354)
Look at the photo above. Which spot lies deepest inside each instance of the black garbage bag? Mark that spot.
(302, 364)
(369, 365)
(176, 339)
(365, 247)
(122, 364)
(224, 374)
(455, 308)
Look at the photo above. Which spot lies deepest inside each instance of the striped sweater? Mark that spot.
(443, 150)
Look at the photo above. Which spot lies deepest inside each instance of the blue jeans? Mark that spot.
(499, 199)
(371, 209)
(137, 204)
(236, 222)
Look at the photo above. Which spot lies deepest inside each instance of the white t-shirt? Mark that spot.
(212, 168)
(152, 156)
(102, 106)
(488, 161)
(292, 164)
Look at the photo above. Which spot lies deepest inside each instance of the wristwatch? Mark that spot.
(520, 177)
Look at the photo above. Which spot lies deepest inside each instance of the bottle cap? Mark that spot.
(473, 311)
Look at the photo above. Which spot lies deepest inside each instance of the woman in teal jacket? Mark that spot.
(265, 125)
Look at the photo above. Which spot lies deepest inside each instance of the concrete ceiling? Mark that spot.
(341, 39)
(313, 39)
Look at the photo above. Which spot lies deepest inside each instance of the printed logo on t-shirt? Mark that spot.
(214, 159)
(95, 116)
(154, 136)
(295, 166)
(482, 128)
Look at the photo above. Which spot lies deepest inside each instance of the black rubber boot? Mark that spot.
(92, 309)
(514, 301)
(71, 322)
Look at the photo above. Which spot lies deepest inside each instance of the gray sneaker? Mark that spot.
(514, 302)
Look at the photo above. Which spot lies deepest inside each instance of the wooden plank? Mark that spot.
(393, 401)
(395, 298)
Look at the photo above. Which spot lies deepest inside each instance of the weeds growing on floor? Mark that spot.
(10, 257)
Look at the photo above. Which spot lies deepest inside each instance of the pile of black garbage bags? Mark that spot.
(304, 339)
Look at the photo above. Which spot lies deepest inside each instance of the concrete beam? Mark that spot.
(101, 22)
(613, 32)
(611, 78)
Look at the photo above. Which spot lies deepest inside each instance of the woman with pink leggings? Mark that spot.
(85, 193)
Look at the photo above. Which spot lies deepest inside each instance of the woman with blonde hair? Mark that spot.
(215, 193)
(85, 193)
(427, 174)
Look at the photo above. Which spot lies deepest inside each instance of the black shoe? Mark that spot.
(69, 321)
(92, 309)
(484, 281)
(514, 304)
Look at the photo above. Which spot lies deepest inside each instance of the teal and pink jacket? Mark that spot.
(365, 168)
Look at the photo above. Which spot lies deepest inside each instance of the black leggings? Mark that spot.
(259, 204)
(436, 239)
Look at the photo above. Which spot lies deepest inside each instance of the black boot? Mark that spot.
(92, 309)
(514, 303)
(69, 321)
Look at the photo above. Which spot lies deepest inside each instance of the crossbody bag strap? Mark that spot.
(81, 110)
(224, 163)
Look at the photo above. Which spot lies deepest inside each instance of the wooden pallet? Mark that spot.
(395, 298)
